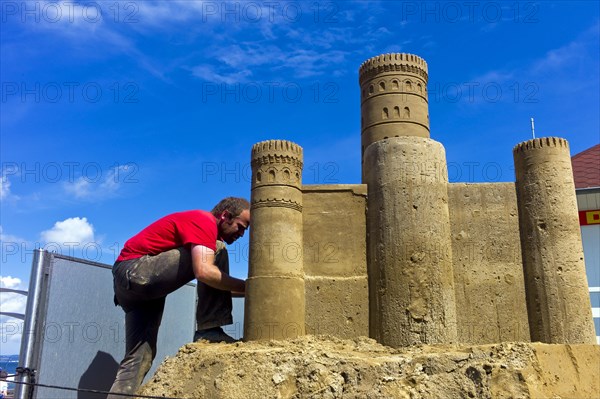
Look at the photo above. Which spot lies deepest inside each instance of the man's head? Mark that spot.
(233, 218)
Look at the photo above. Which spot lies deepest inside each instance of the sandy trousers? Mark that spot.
(141, 286)
(214, 306)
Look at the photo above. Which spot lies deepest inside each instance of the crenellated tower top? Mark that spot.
(544, 152)
(542, 142)
(276, 163)
(276, 151)
(393, 62)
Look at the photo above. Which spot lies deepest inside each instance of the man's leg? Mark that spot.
(141, 286)
(142, 322)
(214, 306)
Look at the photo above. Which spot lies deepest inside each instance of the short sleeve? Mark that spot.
(197, 227)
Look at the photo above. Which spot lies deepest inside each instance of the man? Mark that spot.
(160, 259)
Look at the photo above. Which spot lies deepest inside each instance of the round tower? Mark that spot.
(558, 301)
(409, 258)
(274, 306)
(393, 97)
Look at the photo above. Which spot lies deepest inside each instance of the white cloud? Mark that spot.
(306, 63)
(4, 188)
(12, 302)
(9, 238)
(563, 70)
(68, 17)
(88, 27)
(569, 58)
(106, 187)
(251, 54)
(569, 55)
(208, 73)
(158, 14)
(5, 193)
(11, 328)
(10, 282)
(80, 188)
(71, 230)
(242, 35)
(236, 59)
(292, 49)
(497, 76)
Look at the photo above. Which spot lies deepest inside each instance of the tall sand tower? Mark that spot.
(274, 306)
(558, 301)
(393, 103)
(411, 288)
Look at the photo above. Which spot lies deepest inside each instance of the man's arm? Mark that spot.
(205, 270)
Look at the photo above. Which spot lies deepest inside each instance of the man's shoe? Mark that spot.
(215, 334)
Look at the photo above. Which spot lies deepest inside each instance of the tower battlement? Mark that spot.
(392, 62)
(274, 151)
(541, 142)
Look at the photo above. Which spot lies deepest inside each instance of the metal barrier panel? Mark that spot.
(82, 332)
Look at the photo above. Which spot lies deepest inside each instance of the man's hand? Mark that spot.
(205, 270)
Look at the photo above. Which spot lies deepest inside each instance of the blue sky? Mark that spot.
(114, 114)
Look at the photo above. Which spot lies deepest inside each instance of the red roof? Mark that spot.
(586, 167)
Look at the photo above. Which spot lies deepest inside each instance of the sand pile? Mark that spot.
(327, 367)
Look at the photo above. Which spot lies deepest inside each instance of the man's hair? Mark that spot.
(234, 205)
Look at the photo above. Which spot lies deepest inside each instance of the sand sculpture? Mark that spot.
(476, 272)
(406, 257)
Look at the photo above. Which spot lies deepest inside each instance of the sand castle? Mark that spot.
(407, 257)
(479, 271)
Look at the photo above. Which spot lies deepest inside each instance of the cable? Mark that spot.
(93, 391)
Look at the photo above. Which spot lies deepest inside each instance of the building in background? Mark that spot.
(586, 171)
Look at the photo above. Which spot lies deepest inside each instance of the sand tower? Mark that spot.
(274, 307)
(558, 301)
(411, 286)
(393, 98)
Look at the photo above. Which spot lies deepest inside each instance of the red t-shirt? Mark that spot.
(172, 231)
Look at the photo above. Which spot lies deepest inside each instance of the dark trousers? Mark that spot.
(141, 286)
(214, 306)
